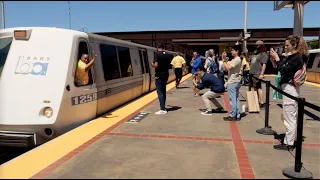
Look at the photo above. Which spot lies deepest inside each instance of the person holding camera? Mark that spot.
(290, 82)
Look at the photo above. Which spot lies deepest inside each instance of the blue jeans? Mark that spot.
(245, 77)
(161, 84)
(233, 93)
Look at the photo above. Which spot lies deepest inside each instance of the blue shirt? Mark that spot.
(210, 80)
(196, 65)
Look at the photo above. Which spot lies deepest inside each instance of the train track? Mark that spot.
(9, 153)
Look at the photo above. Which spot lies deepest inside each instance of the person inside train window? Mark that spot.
(115, 74)
(129, 71)
(82, 71)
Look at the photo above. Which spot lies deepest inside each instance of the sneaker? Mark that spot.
(230, 119)
(161, 112)
(208, 113)
(219, 109)
(283, 147)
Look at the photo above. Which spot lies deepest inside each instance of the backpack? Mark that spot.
(214, 67)
(202, 62)
(300, 76)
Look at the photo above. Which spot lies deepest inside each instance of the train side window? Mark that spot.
(141, 61)
(311, 59)
(125, 61)
(146, 60)
(83, 49)
(109, 62)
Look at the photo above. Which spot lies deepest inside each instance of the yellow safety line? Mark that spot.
(30, 163)
(312, 84)
(307, 82)
(269, 75)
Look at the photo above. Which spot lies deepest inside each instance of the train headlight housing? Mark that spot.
(47, 112)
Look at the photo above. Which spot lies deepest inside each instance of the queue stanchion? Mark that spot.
(267, 130)
(250, 82)
(297, 172)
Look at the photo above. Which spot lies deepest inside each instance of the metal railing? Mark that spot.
(267, 130)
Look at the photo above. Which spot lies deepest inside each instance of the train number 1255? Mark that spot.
(83, 99)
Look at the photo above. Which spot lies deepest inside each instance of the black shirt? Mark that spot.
(164, 60)
(290, 66)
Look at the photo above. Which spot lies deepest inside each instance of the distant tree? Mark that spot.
(314, 44)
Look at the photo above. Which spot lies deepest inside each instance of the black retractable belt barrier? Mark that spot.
(297, 172)
(312, 106)
(266, 130)
(250, 82)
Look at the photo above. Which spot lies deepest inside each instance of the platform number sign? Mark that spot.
(83, 99)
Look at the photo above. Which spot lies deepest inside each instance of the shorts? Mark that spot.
(256, 83)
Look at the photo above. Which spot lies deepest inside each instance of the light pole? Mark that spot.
(69, 15)
(298, 18)
(245, 25)
(3, 19)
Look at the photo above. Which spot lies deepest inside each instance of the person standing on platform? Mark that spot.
(297, 49)
(223, 58)
(178, 63)
(233, 84)
(245, 69)
(257, 68)
(161, 63)
(196, 64)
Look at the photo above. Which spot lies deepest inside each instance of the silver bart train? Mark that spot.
(39, 99)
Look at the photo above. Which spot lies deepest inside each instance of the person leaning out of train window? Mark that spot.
(83, 67)
(297, 47)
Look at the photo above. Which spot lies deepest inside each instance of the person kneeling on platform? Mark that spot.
(216, 89)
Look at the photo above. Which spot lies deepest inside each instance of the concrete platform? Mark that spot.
(186, 144)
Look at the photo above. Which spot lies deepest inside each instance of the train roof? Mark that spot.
(76, 32)
(40, 28)
(125, 42)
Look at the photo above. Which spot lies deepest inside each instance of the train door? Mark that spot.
(84, 97)
(145, 69)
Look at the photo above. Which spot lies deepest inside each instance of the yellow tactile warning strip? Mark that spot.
(30, 163)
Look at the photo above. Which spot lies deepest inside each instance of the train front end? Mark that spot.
(31, 85)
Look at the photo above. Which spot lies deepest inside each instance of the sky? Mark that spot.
(111, 16)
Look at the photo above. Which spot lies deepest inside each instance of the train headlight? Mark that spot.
(47, 112)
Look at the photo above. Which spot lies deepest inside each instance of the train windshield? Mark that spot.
(5, 44)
